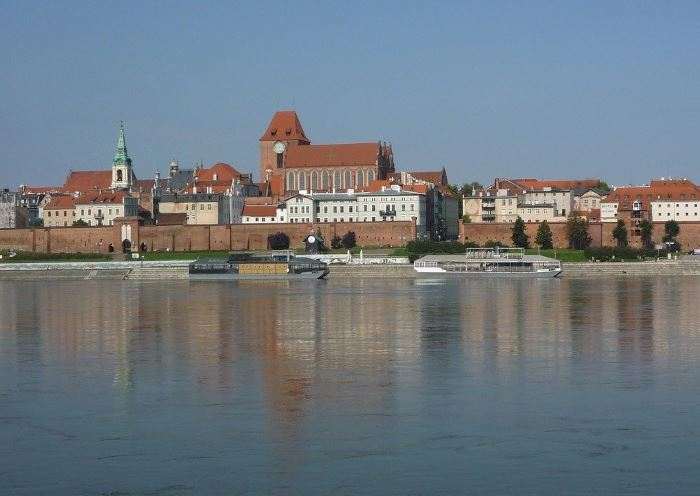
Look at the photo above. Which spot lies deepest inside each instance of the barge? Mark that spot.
(279, 265)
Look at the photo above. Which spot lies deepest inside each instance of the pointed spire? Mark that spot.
(121, 157)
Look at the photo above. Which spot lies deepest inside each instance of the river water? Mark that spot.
(368, 386)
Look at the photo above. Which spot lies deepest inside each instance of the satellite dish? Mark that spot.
(311, 239)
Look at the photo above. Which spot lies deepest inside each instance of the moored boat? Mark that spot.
(496, 262)
(247, 266)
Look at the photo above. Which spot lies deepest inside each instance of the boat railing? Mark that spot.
(495, 253)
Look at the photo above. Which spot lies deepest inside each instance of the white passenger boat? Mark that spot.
(489, 262)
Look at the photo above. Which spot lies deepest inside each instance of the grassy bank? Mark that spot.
(26, 256)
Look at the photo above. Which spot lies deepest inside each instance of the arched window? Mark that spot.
(370, 176)
(120, 177)
(360, 179)
(336, 181)
(314, 180)
(326, 186)
(348, 179)
(290, 181)
(302, 181)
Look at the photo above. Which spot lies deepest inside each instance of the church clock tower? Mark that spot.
(122, 174)
(284, 130)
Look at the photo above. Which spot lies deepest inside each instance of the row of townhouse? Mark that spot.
(390, 204)
(659, 201)
(93, 209)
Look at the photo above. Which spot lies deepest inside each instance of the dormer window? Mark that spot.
(288, 131)
(273, 131)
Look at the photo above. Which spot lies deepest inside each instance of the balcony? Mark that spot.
(387, 213)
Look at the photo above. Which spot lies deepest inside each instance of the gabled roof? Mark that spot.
(338, 155)
(222, 171)
(284, 126)
(60, 202)
(259, 210)
(101, 197)
(35, 190)
(88, 180)
(438, 178)
(657, 190)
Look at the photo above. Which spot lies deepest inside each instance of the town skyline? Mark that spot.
(539, 90)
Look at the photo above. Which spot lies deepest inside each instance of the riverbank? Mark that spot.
(177, 269)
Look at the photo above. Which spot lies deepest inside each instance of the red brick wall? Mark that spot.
(186, 238)
(600, 232)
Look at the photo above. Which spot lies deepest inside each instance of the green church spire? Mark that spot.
(122, 156)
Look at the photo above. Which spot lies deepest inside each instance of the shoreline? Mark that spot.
(177, 270)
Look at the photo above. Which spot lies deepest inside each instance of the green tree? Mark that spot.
(80, 223)
(278, 241)
(349, 240)
(544, 236)
(602, 187)
(519, 237)
(620, 233)
(577, 232)
(646, 229)
(466, 219)
(671, 230)
(336, 242)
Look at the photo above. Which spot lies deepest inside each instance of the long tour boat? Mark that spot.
(487, 262)
(273, 265)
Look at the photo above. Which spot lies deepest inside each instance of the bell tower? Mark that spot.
(283, 131)
(122, 174)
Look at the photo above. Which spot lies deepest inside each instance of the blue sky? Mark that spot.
(537, 89)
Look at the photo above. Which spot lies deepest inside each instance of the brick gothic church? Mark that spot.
(290, 163)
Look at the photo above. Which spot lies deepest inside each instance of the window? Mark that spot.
(49, 213)
(65, 213)
(348, 179)
(373, 209)
(325, 210)
(360, 179)
(209, 206)
(365, 208)
(335, 210)
(341, 209)
(403, 207)
(314, 180)
(117, 211)
(350, 209)
(325, 180)
(201, 206)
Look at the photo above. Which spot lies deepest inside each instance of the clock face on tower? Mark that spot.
(279, 147)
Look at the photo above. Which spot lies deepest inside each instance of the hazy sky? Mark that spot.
(539, 89)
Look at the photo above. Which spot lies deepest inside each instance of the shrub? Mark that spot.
(493, 244)
(349, 240)
(336, 242)
(607, 253)
(278, 241)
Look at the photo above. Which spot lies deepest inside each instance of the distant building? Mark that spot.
(101, 208)
(287, 153)
(12, 213)
(59, 211)
(661, 200)
(199, 208)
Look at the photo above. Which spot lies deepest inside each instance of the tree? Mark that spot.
(646, 229)
(468, 189)
(278, 241)
(577, 232)
(544, 236)
(466, 219)
(349, 240)
(80, 223)
(602, 187)
(620, 233)
(671, 231)
(336, 242)
(519, 237)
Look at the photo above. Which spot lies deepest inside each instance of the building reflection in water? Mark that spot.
(292, 355)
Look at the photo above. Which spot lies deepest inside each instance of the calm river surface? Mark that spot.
(369, 386)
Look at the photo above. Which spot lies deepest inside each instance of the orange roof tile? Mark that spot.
(88, 180)
(101, 197)
(60, 202)
(336, 155)
(222, 171)
(679, 189)
(259, 210)
(285, 125)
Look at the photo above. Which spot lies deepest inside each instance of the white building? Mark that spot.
(678, 210)
(263, 214)
(100, 209)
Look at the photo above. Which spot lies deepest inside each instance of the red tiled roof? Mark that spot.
(101, 197)
(88, 180)
(284, 126)
(259, 200)
(259, 210)
(569, 184)
(435, 177)
(60, 202)
(337, 155)
(678, 189)
(145, 184)
(223, 172)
